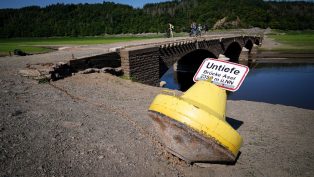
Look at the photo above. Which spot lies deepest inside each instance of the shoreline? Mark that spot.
(273, 51)
(289, 44)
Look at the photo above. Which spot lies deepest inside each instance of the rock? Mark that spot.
(113, 71)
(60, 71)
(223, 57)
(119, 71)
(46, 71)
(2, 129)
(16, 113)
(245, 49)
(107, 70)
(58, 65)
(267, 30)
(64, 48)
(43, 79)
(89, 70)
(40, 71)
(68, 124)
(225, 23)
(48, 76)
(19, 52)
(162, 83)
(220, 23)
(29, 73)
(114, 49)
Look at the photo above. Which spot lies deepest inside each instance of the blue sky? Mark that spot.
(134, 3)
(23, 3)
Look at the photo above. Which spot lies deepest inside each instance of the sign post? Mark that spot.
(226, 75)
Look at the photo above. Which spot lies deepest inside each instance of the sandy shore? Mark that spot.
(97, 125)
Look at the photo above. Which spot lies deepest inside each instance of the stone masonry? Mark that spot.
(147, 63)
(141, 64)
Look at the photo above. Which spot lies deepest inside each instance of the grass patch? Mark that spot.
(294, 40)
(5, 48)
(43, 80)
(127, 78)
(41, 45)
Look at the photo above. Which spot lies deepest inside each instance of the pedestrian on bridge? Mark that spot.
(206, 28)
(193, 29)
(199, 30)
(171, 28)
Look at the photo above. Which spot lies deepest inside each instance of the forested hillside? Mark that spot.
(111, 18)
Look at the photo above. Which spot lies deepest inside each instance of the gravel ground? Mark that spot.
(97, 125)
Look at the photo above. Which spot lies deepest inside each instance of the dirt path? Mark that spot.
(269, 43)
(97, 125)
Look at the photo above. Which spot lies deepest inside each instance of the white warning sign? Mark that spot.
(225, 74)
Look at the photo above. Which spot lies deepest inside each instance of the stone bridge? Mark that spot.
(147, 63)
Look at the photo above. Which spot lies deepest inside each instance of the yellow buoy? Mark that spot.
(193, 126)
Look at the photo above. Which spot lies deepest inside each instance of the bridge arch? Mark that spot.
(186, 67)
(233, 51)
(194, 59)
(249, 45)
(257, 42)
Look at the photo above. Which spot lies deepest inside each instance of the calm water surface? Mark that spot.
(287, 83)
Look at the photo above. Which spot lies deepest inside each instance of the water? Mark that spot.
(286, 83)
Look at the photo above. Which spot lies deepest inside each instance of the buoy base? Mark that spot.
(187, 144)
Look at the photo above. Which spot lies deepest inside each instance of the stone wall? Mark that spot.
(111, 59)
(141, 64)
